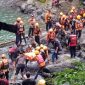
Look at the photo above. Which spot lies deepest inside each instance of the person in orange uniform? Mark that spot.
(72, 42)
(51, 36)
(37, 32)
(31, 23)
(79, 26)
(48, 20)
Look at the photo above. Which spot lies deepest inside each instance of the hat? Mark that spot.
(41, 82)
(3, 56)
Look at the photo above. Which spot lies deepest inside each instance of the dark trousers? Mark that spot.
(18, 39)
(48, 25)
(23, 35)
(20, 67)
(73, 51)
(54, 56)
(37, 39)
(78, 33)
(30, 32)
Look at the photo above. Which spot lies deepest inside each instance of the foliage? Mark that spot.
(73, 76)
(42, 1)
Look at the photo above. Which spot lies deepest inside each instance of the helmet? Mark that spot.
(41, 46)
(19, 19)
(61, 13)
(71, 11)
(78, 17)
(45, 48)
(50, 30)
(3, 56)
(36, 52)
(36, 24)
(41, 82)
(84, 15)
(37, 48)
(73, 8)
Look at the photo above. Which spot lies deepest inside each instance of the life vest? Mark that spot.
(73, 40)
(40, 61)
(51, 35)
(79, 26)
(5, 61)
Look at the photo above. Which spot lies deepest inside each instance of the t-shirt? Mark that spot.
(28, 82)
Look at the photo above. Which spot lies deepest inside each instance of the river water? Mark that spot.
(9, 16)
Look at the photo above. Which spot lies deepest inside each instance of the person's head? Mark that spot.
(41, 82)
(36, 25)
(32, 16)
(3, 56)
(28, 74)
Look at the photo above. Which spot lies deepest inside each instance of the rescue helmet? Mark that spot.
(37, 48)
(41, 46)
(3, 56)
(61, 13)
(64, 16)
(78, 17)
(73, 8)
(19, 19)
(71, 11)
(36, 24)
(84, 15)
(36, 52)
(45, 48)
(51, 30)
(41, 82)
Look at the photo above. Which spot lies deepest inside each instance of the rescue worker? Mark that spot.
(72, 42)
(22, 31)
(48, 20)
(37, 32)
(31, 23)
(18, 36)
(79, 26)
(51, 36)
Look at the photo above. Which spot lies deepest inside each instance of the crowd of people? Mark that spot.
(68, 29)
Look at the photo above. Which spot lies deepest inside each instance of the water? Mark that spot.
(9, 16)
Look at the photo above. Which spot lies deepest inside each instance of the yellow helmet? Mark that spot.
(61, 13)
(71, 11)
(41, 46)
(36, 52)
(19, 19)
(78, 17)
(45, 48)
(84, 15)
(41, 82)
(37, 48)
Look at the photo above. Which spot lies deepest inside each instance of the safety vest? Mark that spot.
(40, 61)
(73, 40)
(51, 35)
(5, 61)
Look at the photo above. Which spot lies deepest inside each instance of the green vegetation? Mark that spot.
(74, 76)
(43, 1)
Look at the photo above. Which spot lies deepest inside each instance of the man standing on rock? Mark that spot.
(48, 20)
(31, 23)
